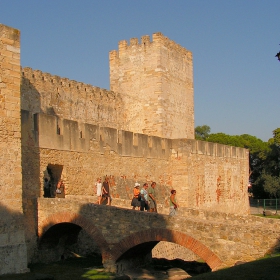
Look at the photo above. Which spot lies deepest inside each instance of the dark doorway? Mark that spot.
(54, 172)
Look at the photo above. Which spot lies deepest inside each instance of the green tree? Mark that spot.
(267, 169)
(270, 185)
(276, 137)
(225, 139)
(202, 132)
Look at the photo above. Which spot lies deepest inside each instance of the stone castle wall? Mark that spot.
(12, 235)
(158, 75)
(64, 98)
(206, 175)
(211, 176)
(197, 170)
(79, 132)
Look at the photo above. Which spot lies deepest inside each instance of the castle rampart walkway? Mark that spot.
(219, 239)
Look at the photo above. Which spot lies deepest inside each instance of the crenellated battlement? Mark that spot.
(44, 79)
(67, 135)
(65, 98)
(158, 39)
(74, 136)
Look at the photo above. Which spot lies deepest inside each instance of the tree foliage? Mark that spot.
(268, 180)
(202, 132)
(264, 158)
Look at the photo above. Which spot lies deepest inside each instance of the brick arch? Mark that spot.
(66, 217)
(161, 234)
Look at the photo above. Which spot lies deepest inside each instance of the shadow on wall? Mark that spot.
(30, 155)
(32, 179)
(9, 217)
(30, 140)
(12, 242)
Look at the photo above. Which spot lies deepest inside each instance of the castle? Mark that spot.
(142, 129)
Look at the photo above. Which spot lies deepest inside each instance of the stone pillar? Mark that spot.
(13, 256)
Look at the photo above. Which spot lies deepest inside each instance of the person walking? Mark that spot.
(173, 203)
(152, 197)
(98, 185)
(135, 202)
(106, 190)
(144, 198)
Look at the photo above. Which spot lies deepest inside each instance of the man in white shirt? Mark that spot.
(144, 198)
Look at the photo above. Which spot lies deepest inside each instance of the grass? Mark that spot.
(263, 269)
(272, 216)
(87, 268)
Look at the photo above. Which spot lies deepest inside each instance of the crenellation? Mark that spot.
(122, 47)
(145, 40)
(113, 55)
(53, 81)
(159, 38)
(211, 149)
(49, 138)
(38, 75)
(133, 41)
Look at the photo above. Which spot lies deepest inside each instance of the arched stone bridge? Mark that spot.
(217, 238)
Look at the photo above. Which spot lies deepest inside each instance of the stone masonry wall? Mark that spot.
(122, 155)
(158, 75)
(68, 99)
(197, 170)
(12, 238)
(210, 176)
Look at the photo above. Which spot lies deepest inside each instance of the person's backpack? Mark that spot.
(139, 196)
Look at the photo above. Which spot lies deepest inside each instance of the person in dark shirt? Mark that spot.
(106, 190)
(47, 188)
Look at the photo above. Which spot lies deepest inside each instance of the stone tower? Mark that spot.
(155, 79)
(13, 253)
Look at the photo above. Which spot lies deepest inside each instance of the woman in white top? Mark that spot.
(98, 185)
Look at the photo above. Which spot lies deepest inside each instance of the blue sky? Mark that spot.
(234, 43)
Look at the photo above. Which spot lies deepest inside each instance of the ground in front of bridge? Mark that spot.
(91, 268)
(72, 269)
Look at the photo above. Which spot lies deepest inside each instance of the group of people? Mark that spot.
(145, 199)
(103, 190)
